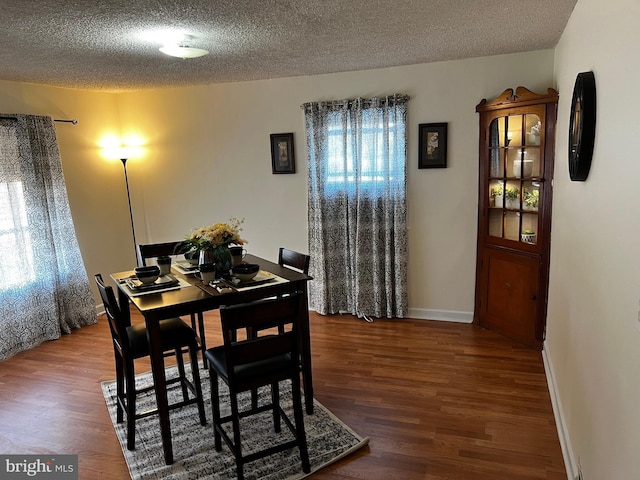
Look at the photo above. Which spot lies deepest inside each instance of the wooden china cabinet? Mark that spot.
(517, 143)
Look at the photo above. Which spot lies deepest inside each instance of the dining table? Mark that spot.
(191, 295)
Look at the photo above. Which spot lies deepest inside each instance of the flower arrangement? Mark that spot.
(213, 236)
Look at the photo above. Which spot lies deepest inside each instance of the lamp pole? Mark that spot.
(133, 228)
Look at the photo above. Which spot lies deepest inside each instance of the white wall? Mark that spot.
(208, 158)
(593, 330)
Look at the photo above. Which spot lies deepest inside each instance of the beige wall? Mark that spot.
(95, 187)
(208, 158)
(593, 329)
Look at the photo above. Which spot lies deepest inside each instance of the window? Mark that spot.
(44, 289)
(16, 260)
(342, 169)
(357, 205)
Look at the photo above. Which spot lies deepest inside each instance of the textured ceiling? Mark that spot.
(105, 45)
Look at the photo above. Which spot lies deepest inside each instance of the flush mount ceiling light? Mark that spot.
(182, 49)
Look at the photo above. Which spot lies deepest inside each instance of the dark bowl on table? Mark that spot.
(245, 271)
(148, 275)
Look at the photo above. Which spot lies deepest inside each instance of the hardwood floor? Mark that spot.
(437, 400)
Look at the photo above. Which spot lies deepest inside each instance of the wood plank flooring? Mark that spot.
(437, 400)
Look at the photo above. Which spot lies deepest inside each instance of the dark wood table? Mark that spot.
(184, 301)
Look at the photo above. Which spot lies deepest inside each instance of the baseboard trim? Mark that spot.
(441, 315)
(570, 464)
(427, 314)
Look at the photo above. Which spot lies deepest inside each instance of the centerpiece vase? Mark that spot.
(219, 255)
(206, 256)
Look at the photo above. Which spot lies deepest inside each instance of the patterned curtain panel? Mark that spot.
(357, 206)
(44, 288)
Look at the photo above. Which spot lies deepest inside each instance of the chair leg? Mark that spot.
(120, 378)
(193, 353)
(251, 333)
(237, 446)
(130, 393)
(254, 399)
(275, 402)
(203, 341)
(181, 372)
(215, 408)
(299, 419)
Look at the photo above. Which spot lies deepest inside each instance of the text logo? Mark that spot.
(50, 467)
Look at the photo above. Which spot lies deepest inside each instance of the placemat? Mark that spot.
(181, 284)
(264, 279)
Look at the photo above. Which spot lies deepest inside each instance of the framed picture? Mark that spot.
(432, 145)
(282, 156)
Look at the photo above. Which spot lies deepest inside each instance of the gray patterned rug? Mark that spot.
(194, 454)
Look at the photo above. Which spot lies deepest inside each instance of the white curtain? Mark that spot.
(44, 288)
(357, 206)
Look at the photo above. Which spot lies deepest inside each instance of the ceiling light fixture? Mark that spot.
(183, 50)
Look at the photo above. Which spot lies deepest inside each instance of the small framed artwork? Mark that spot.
(282, 156)
(432, 145)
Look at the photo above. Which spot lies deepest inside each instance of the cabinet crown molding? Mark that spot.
(522, 97)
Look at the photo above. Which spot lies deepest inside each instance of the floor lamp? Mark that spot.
(133, 228)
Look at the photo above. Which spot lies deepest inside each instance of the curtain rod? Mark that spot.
(394, 99)
(72, 121)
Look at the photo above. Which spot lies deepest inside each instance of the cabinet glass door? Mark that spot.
(515, 176)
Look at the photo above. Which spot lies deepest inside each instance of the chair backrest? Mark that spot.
(118, 323)
(274, 312)
(154, 250)
(291, 259)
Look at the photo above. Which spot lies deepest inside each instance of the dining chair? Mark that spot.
(130, 343)
(146, 251)
(252, 363)
(288, 259)
(295, 260)
(155, 250)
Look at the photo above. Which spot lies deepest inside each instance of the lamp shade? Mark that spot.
(121, 152)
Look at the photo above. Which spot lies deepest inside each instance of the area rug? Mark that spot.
(194, 454)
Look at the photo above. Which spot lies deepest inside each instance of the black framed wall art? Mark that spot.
(282, 153)
(432, 145)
